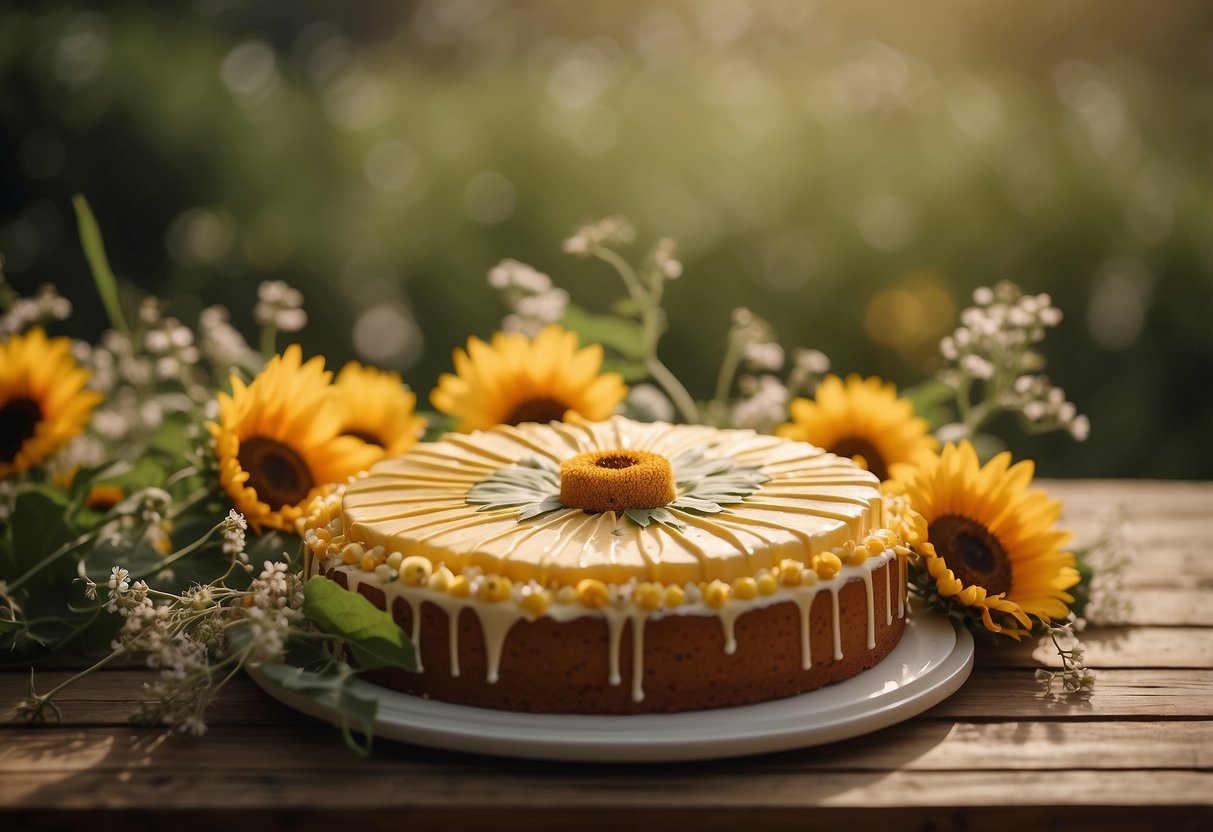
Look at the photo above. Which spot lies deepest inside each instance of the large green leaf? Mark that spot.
(372, 635)
(330, 688)
(619, 334)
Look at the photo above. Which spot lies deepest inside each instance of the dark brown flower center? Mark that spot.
(543, 409)
(853, 446)
(368, 438)
(19, 419)
(617, 461)
(276, 471)
(974, 555)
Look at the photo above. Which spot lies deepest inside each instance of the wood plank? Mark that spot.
(587, 789)
(1148, 694)
(916, 745)
(990, 693)
(1138, 498)
(1112, 647)
(1013, 818)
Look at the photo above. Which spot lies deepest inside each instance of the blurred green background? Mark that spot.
(849, 170)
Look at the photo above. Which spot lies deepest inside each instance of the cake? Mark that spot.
(620, 567)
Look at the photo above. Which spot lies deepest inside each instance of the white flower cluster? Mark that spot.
(280, 306)
(222, 344)
(186, 637)
(277, 603)
(171, 348)
(45, 307)
(233, 528)
(1074, 676)
(532, 299)
(765, 402)
(993, 345)
(608, 231)
(663, 259)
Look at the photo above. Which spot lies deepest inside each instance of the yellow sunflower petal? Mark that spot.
(513, 379)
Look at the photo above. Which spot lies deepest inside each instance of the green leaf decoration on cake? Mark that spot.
(704, 484)
(372, 635)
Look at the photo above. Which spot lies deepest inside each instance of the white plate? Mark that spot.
(930, 663)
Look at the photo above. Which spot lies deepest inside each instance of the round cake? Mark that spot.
(620, 567)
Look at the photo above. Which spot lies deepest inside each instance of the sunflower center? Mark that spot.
(542, 409)
(19, 420)
(974, 555)
(277, 472)
(863, 452)
(616, 481)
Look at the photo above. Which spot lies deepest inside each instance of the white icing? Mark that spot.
(496, 619)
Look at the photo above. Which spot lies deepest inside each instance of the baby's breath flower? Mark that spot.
(280, 306)
(609, 231)
(233, 528)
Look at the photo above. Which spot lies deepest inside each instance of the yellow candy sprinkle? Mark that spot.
(440, 581)
(368, 563)
(810, 577)
(826, 565)
(715, 594)
(495, 588)
(537, 602)
(353, 553)
(415, 570)
(767, 584)
(592, 593)
(394, 560)
(675, 596)
(745, 588)
(648, 596)
(460, 586)
(790, 572)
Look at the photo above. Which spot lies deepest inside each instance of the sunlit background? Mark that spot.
(849, 170)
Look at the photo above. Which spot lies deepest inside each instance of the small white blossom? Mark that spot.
(280, 306)
(647, 403)
(608, 231)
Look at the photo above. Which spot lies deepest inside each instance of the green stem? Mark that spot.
(269, 341)
(70, 546)
(649, 304)
(178, 555)
(728, 371)
(55, 691)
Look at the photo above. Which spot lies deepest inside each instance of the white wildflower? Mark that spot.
(233, 527)
(280, 306)
(647, 403)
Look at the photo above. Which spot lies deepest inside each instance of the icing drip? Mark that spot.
(804, 603)
(867, 583)
(496, 619)
(615, 621)
(901, 591)
(638, 622)
(728, 620)
(415, 613)
(888, 596)
(837, 624)
(452, 618)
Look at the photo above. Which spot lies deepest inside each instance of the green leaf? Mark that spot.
(632, 371)
(331, 689)
(38, 528)
(98, 263)
(930, 400)
(621, 335)
(371, 634)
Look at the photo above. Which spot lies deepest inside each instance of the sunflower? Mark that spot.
(993, 549)
(379, 408)
(515, 380)
(278, 441)
(864, 420)
(43, 403)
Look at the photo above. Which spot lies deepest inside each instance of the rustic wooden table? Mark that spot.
(1138, 753)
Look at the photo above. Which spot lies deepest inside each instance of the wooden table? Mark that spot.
(997, 755)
